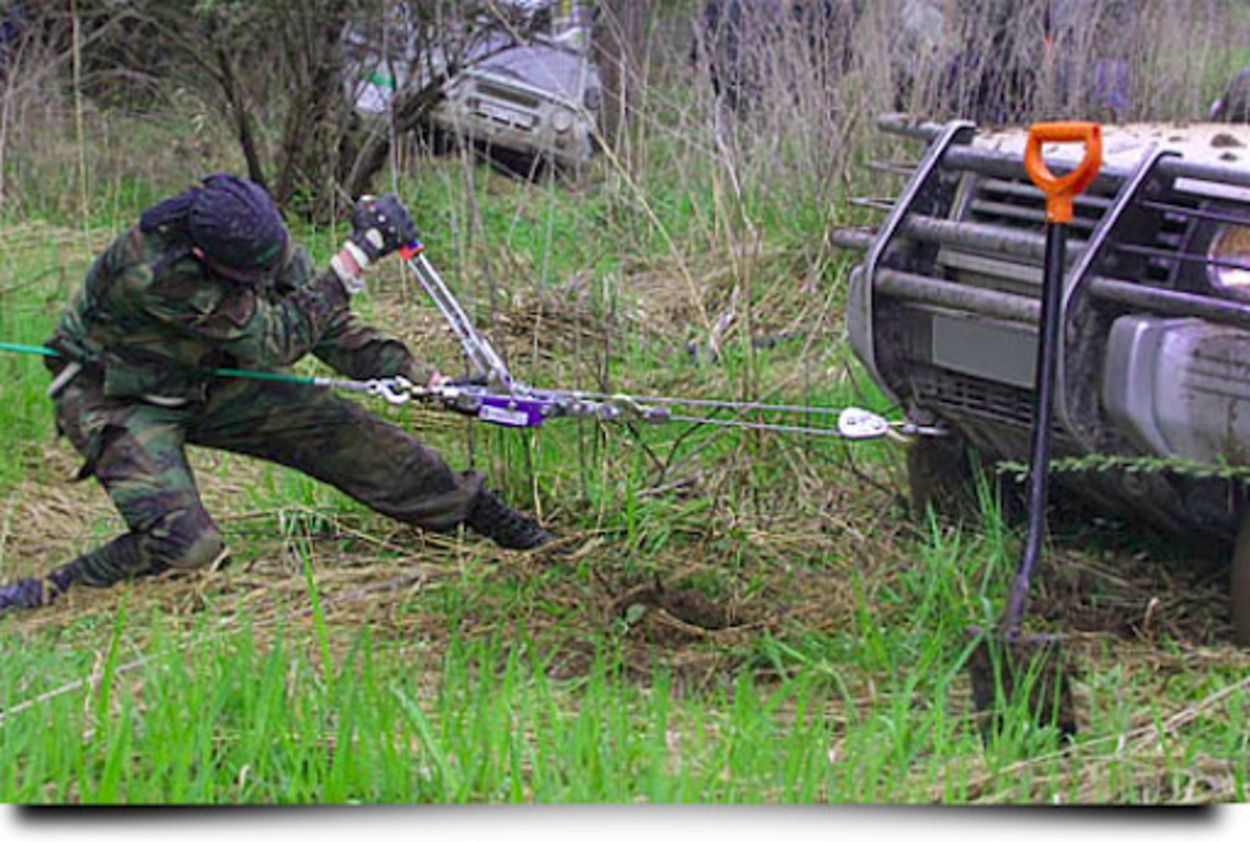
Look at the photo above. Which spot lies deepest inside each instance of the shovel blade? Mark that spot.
(1010, 668)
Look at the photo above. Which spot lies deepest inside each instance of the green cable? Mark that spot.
(243, 373)
(28, 349)
(266, 375)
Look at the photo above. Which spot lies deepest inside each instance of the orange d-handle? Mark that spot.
(1061, 192)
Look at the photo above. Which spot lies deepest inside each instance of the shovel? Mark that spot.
(1006, 662)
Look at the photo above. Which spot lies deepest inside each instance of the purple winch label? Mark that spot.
(511, 411)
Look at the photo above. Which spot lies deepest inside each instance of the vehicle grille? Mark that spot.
(1021, 206)
(508, 95)
(971, 396)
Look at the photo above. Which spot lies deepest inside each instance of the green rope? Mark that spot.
(28, 349)
(266, 375)
(241, 373)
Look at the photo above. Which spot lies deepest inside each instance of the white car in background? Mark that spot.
(536, 98)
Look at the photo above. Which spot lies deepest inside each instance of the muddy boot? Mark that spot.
(504, 525)
(25, 593)
(34, 593)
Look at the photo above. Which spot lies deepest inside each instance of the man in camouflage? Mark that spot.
(210, 279)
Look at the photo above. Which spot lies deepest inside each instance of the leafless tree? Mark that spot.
(282, 75)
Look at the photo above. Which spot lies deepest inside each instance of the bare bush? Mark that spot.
(1019, 60)
(30, 56)
(278, 76)
(621, 38)
(285, 67)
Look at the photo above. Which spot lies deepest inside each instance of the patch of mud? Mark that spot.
(678, 618)
(688, 671)
(690, 607)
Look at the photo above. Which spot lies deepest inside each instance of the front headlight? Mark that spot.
(1231, 248)
(562, 120)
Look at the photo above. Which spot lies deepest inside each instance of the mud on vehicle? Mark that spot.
(1154, 356)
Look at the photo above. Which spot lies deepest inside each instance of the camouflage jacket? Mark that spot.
(155, 321)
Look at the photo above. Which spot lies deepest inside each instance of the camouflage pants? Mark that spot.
(137, 451)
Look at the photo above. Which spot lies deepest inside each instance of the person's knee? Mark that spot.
(186, 540)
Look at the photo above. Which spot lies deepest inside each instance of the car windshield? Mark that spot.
(539, 66)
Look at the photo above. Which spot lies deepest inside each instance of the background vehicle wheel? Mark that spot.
(1239, 584)
(436, 140)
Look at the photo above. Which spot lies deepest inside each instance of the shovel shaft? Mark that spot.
(1043, 405)
(1060, 194)
(995, 675)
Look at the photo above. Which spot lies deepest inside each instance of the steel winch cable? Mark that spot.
(758, 425)
(738, 406)
(528, 407)
(852, 421)
(906, 428)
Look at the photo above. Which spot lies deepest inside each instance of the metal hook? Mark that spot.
(394, 390)
(855, 423)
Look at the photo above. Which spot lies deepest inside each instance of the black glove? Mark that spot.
(380, 225)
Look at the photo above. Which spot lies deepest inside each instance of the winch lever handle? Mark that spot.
(1061, 192)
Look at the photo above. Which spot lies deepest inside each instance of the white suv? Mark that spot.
(537, 98)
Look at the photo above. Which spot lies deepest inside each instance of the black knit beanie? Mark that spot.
(232, 220)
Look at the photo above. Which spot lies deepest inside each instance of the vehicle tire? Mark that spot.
(1239, 584)
(939, 474)
(944, 473)
(435, 140)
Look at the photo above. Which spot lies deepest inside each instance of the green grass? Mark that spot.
(194, 711)
(244, 724)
